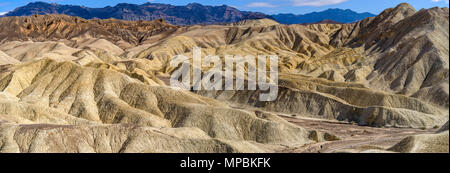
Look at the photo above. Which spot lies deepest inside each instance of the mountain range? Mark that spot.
(190, 14)
(338, 15)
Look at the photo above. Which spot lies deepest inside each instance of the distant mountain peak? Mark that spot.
(332, 14)
(194, 4)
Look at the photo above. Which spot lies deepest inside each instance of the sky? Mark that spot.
(265, 6)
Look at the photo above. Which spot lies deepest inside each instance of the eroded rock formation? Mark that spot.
(73, 85)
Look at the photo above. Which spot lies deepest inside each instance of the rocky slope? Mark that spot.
(124, 34)
(364, 87)
(74, 85)
(424, 143)
(64, 98)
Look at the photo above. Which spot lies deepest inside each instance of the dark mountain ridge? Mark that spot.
(190, 14)
(338, 15)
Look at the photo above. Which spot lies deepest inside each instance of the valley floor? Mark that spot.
(353, 138)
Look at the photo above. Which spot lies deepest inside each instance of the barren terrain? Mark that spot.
(353, 138)
(381, 84)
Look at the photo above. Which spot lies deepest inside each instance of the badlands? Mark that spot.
(73, 85)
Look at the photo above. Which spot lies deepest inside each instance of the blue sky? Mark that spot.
(265, 6)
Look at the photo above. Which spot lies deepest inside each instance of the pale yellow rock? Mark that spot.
(105, 88)
(6, 59)
(256, 22)
(64, 93)
(427, 143)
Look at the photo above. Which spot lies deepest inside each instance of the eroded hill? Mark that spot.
(74, 85)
